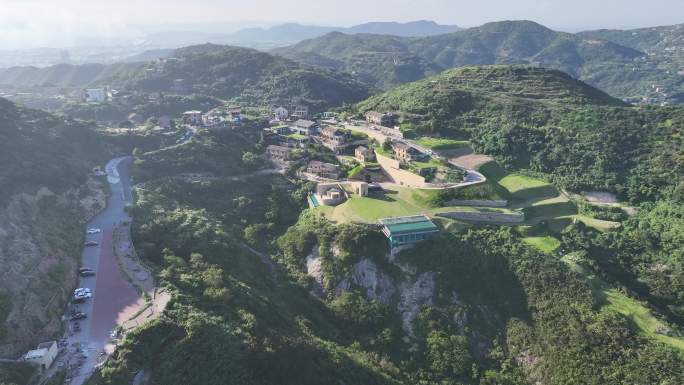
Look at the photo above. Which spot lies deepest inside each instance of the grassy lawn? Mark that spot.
(524, 187)
(441, 143)
(390, 203)
(616, 301)
(597, 223)
(370, 209)
(546, 244)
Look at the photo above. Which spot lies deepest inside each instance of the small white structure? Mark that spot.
(44, 355)
(193, 118)
(95, 95)
(281, 113)
(330, 194)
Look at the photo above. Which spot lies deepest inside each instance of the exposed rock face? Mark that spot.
(413, 296)
(410, 294)
(314, 269)
(40, 239)
(379, 286)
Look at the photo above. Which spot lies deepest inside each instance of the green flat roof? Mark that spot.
(398, 226)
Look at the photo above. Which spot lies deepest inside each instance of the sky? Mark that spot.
(63, 23)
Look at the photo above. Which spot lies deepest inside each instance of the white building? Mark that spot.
(95, 95)
(44, 355)
(281, 113)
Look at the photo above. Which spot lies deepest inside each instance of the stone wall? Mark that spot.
(490, 217)
(480, 203)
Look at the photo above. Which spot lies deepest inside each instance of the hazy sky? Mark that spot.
(65, 22)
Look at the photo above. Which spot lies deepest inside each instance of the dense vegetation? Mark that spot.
(594, 57)
(38, 149)
(498, 311)
(249, 76)
(233, 318)
(547, 122)
(118, 111)
(64, 75)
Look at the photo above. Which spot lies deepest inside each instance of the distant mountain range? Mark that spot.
(597, 57)
(635, 65)
(291, 33)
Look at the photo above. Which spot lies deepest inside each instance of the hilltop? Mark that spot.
(468, 96)
(594, 58)
(251, 76)
(239, 74)
(64, 75)
(548, 122)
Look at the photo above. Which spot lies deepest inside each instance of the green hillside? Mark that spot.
(64, 75)
(623, 70)
(498, 312)
(545, 121)
(248, 76)
(39, 149)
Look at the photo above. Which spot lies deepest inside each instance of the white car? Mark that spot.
(82, 290)
(94, 231)
(82, 295)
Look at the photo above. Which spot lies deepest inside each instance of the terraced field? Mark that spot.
(540, 200)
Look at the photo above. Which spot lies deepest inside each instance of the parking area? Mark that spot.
(113, 296)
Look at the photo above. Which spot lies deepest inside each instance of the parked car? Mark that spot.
(78, 316)
(82, 269)
(87, 273)
(94, 230)
(91, 243)
(82, 293)
(82, 296)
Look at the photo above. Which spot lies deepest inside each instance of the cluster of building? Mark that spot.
(287, 135)
(213, 119)
(290, 114)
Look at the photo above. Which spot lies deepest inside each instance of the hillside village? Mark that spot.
(367, 172)
(250, 217)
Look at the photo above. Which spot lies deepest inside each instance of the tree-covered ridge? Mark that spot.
(644, 39)
(250, 76)
(545, 121)
(65, 75)
(618, 69)
(41, 150)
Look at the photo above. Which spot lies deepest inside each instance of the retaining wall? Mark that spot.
(480, 203)
(517, 217)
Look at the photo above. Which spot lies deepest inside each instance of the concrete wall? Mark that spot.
(493, 217)
(480, 203)
(401, 177)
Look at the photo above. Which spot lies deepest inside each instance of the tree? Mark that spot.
(448, 354)
(249, 159)
(387, 144)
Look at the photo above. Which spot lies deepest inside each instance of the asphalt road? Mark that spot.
(112, 293)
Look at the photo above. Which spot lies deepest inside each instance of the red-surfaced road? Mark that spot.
(114, 295)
